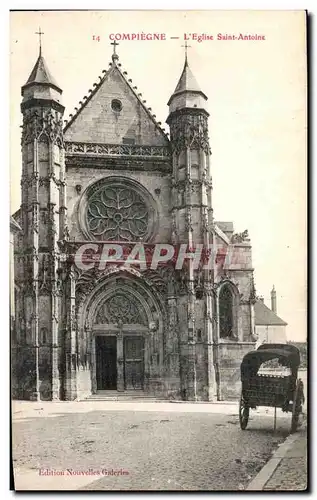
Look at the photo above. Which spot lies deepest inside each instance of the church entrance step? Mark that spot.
(122, 396)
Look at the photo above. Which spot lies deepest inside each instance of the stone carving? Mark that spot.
(240, 237)
(73, 318)
(76, 148)
(66, 234)
(157, 279)
(190, 131)
(188, 220)
(174, 225)
(30, 180)
(44, 282)
(44, 181)
(253, 294)
(85, 284)
(117, 213)
(42, 124)
(205, 222)
(122, 309)
(35, 220)
(43, 215)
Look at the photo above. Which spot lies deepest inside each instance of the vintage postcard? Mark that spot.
(158, 250)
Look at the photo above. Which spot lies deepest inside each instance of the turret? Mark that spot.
(43, 215)
(192, 222)
(188, 121)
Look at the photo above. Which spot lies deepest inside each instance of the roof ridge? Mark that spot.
(97, 86)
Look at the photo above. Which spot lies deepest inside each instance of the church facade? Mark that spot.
(111, 175)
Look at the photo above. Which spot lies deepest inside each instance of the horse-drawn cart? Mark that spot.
(271, 389)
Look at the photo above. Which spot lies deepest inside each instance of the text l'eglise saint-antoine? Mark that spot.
(201, 37)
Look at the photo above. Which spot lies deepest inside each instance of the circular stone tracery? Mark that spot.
(118, 210)
(121, 308)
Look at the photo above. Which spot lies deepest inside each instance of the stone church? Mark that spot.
(112, 174)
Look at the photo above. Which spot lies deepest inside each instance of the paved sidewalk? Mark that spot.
(291, 473)
(287, 469)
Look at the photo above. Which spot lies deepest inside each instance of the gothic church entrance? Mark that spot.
(106, 363)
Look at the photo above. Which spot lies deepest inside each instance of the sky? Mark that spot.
(256, 99)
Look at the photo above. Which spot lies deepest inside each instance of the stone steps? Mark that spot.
(122, 396)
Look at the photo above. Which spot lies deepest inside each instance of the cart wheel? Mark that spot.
(298, 400)
(243, 413)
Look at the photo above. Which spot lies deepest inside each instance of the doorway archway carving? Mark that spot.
(123, 329)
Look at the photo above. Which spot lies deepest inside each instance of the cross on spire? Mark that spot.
(39, 33)
(114, 55)
(186, 46)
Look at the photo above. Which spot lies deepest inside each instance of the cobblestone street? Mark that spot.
(166, 447)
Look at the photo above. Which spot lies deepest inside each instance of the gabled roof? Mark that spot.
(115, 67)
(265, 316)
(40, 74)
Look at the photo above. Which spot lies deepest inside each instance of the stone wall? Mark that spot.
(98, 123)
(271, 334)
(230, 356)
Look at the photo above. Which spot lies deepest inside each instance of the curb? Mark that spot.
(258, 483)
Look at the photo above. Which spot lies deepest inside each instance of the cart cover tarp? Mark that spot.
(287, 355)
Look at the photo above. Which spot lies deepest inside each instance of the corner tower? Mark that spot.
(43, 224)
(192, 187)
(192, 222)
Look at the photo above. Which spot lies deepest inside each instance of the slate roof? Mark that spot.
(41, 74)
(226, 227)
(265, 316)
(187, 83)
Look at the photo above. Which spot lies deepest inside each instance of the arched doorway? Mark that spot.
(120, 332)
(124, 330)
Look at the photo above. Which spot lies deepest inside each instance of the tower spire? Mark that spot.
(40, 33)
(186, 89)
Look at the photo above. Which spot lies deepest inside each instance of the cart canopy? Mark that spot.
(287, 355)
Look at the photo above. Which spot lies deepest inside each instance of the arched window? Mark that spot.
(226, 307)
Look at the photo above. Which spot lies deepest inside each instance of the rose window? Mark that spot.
(117, 212)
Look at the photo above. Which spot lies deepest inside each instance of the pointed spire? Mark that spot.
(40, 74)
(187, 81)
(41, 86)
